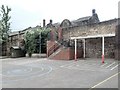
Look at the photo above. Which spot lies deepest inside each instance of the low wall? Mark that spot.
(68, 54)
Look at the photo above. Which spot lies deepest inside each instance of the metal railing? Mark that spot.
(53, 49)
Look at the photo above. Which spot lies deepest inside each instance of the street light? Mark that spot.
(40, 43)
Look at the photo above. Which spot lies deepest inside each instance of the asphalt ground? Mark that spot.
(45, 73)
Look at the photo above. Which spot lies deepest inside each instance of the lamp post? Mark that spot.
(40, 43)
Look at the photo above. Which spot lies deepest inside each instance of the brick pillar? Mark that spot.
(60, 34)
(117, 51)
(43, 22)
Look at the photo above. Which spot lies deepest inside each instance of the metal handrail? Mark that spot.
(53, 49)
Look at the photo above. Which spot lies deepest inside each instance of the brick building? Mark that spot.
(80, 30)
(87, 34)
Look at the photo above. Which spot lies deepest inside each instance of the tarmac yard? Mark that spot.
(45, 73)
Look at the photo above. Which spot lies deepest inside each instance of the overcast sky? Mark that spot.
(26, 13)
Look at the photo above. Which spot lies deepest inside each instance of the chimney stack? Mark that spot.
(93, 12)
(51, 21)
(43, 22)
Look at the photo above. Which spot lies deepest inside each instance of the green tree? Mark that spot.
(30, 42)
(0, 32)
(4, 23)
(30, 39)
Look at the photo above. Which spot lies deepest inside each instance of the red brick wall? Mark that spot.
(67, 54)
(62, 55)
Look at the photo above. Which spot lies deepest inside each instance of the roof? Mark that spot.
(56, 24)
(23, 31)
(13, 33)
(80, 20)
(84, 18)
(75, 22)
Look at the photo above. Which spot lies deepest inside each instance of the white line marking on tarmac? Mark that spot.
(68, 64)
(83, 69)
(31, 69)
(103, 64)
(27, 62)
(110, 65)
(115, 67)
(104, 81)
(40, 75)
